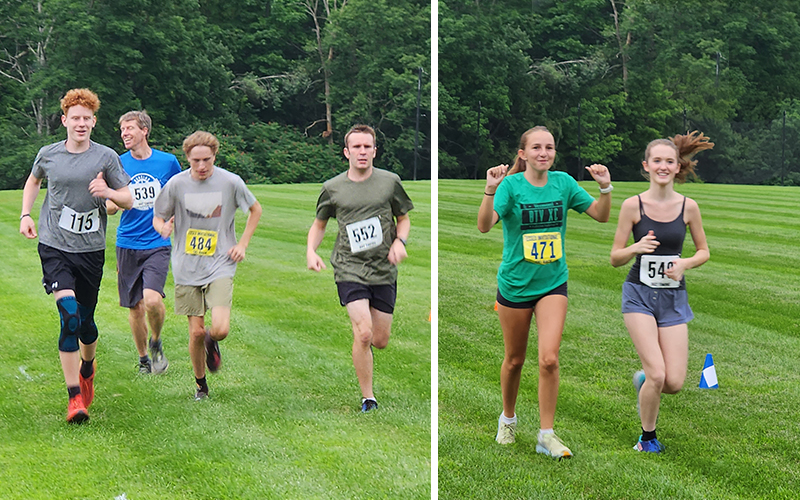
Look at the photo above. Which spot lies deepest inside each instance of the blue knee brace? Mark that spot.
(70, 324)
(88, 331)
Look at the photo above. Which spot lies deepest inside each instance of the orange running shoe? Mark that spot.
(87, 385)
(76, 411)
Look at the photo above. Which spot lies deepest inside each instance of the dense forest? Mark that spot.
(608, 76)
(279, 81)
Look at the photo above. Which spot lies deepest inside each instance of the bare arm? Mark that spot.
(702, 254)
(162, 227)
(397, 252)
(237, 253)
(111, 207)
(27, 226)
(122, 197)
(621, 253)
(600, 209)
(487, 217)
(315, 235)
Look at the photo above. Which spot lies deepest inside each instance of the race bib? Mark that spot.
(541, 248)
(653, 271)
(364, 234)
(201, 242)
(144, 194)
(79, 222)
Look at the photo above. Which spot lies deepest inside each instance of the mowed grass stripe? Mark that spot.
(738, 441)
(283, 419)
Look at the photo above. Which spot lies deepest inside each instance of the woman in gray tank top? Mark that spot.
(654, 300)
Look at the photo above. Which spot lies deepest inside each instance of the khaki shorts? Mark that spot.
(196, 300)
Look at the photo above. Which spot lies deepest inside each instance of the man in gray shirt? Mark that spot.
(199, 205)
(81, 175)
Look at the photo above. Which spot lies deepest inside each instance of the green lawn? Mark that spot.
(739, 441)
(283, 420)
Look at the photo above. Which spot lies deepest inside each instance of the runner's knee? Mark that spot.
(88, 330)
(70, 323)
(548, 362)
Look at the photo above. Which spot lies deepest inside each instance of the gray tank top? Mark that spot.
(669, 234)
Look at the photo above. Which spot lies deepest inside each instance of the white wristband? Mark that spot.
(606, 190)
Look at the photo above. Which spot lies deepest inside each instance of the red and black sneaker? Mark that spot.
(213, 356)
(87, 386)
(76, 411)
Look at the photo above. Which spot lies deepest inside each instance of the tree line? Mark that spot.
(608, 76)
(279, 81)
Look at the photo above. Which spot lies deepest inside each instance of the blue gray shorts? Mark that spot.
(669, 306)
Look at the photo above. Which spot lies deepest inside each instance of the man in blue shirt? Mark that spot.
(142, 254)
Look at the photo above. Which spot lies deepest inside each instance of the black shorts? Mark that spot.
(381, 297)
(140, 269)
(530, 304)
(79, 272)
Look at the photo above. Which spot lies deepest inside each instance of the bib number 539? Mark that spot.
(653, 271)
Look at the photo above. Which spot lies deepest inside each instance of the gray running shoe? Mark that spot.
(160, 362)
(145, 367)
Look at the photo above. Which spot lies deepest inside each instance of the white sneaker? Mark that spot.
(550, 445)
(505, 432)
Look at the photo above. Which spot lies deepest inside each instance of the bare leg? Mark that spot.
(551, 314)
(515, 324)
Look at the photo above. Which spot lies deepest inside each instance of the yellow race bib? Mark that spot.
(542, 248)
(201, 242)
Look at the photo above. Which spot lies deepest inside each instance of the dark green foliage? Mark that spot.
(243, 69)
(534, 63)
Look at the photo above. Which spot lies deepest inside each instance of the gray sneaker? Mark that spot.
(145, 367)
(160, 362)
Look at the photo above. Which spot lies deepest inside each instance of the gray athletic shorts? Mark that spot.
(140, 269)
(669, 306)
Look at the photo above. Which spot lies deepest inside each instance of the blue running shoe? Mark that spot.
(638, 382)
(368, 405)
(652, 446)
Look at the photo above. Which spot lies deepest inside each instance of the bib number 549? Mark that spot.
(653, 271)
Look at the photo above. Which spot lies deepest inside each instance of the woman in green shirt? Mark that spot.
(532, 279)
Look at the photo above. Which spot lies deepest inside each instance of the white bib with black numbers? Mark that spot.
(79, 222)
(653, 271)
(364, 234)
(144, 194)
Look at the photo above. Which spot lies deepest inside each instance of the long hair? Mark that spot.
(685, 146)
(519, 163)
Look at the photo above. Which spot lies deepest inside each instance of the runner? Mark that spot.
(200, 205)
(654, 299)
(532, 279)
(371, 208)
(81, 175)
(142, 254)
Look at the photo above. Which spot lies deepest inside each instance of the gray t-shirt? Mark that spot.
(366, 214)
(72, 220)
(204, 223)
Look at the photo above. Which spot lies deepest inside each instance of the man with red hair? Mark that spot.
(81, 175)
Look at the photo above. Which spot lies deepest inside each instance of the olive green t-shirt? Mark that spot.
(365, 212)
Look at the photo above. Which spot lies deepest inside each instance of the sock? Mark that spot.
(87, 368)
(144, 360)
(73, 391)
(371, 399)
(154, 344)
(201, 384)
(542, 432)
(648, 435)
(506, 420)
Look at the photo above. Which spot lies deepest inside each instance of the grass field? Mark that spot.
(736, 442)
(283, 420)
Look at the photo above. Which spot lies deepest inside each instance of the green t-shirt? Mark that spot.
(366, 214)
(524, 210)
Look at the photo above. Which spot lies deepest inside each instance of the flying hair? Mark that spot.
(519, 163)
(686, 147)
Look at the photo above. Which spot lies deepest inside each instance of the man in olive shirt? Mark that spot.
(366, 202)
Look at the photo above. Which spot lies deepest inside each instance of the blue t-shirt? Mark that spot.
(538, 214)
(148, 176)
